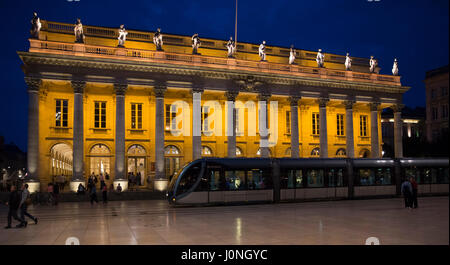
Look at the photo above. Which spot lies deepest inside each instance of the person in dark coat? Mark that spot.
(406, 189)
(414, 193)
(93, 193)
(13, 203)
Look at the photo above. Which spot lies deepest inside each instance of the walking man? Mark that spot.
(406, 189)
(24, 204)
(13, 203)
(414, 193)
(93, 194)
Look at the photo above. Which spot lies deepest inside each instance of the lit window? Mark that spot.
(315, 152)
(61, 113)
(340, 124)
(363, 125)
(288, 122)
(206, 151)
(100, 114)
(315, 123)
(341, 152)
(171, 112)
(238, 151)
(136, 116)
(205, 113)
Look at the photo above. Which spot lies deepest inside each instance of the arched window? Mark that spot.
(238, 151)
(172, 159)
(206, 151)
(364, 153)
(171, 150)
(315, 152)
(136, 150)
(99, 159)
(341, 152)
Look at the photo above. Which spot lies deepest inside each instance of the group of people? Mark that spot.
(134, 180)
(18, 202)
(409, 191)
(92, 188)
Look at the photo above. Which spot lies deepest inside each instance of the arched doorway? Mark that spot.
(172, 159)
(206, 151)
(315, 152)
(341, 153)
(100, 160)
(61, 161)
(364, 153)
(136, 163)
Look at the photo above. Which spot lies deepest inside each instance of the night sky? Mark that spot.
(413, 31)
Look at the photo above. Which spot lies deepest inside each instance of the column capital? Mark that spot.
(78, 86)
(323, 102)
(120, 88)
(349, 104)
(231, 94)
(33, 83)
(294, 100)
(159, 90)
(374, 106)
(397, 107)
(264, 96)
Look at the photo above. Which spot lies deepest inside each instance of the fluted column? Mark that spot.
(294, 127)
(33, 127)
(350, 141)
(78, 138)
(159, 131)
(231, 123)
(263, 126)
(398, 127)
(196, 123)
(323, 137)
(119, 168)
(374, 142)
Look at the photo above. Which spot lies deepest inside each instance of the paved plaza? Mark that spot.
(154, 222)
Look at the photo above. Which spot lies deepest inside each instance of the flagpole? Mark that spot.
(235, 25)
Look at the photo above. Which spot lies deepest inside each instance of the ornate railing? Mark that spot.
(207, 61)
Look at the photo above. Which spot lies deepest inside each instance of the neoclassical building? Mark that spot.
(99, 107)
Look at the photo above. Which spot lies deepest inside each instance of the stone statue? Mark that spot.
(158, 40)
(35, 26)
(78, 30)
(348, 62)
(231, 46)
(262, 51)
(373, 64)
(195, 43)
(395, 67)
(122, 36)
(292, 54)
(320, 58)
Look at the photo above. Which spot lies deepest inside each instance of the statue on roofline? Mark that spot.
(292, 55)
(195, 43)
(320, 58)
(262, 51)
(395, 67)
(78, 30)
(35, 26)
(122, 36)
(231, 47)
(348, 62)
(158, 40)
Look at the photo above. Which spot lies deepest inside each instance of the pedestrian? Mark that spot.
(50, 193)
(111, 187)
(93, 193)
(138, 178)
(26, 200)
(119, 188)
(81, 189)
(414, 193)
(13, 203)
(406, 190)
(55, 194)
(105, 194)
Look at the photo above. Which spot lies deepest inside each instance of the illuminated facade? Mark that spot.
(96, 107)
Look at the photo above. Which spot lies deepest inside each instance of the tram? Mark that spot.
(252, 180)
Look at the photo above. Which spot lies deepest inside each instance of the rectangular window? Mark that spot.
(237, 128)
(434, 112)
(136, 116)
(205, 113)
(171, 112)
(340, 124)
(315, 177)
(61, 115)
(315, 124)
(100, 114)
(235, 180)
(433, 93)
(444, 111)
(288, 122)
(363, 125)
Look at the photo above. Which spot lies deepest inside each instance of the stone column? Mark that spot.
(78, 138)
(196, 123)
(374, 130)
(263, 125)
(33, 84)
(295, 147)
(350, 141)
(398, 134)
(119, 168)
(323, 127)
(231, 123)
(159, 132)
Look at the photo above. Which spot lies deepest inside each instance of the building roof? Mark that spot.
(437, 71)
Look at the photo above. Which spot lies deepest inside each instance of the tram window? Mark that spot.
(426, 175)
(284, 179)
(415, 173)
(383, 176)
(366, 177)
(255, 179)
(442, 176)
(235, 180)
(336, 177)
(214, 180)
(188, 179)
(433, 175)
(315, 177)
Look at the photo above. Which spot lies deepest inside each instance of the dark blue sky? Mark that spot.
(414, 31)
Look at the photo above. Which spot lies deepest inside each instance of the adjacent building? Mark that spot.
(98, 108)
